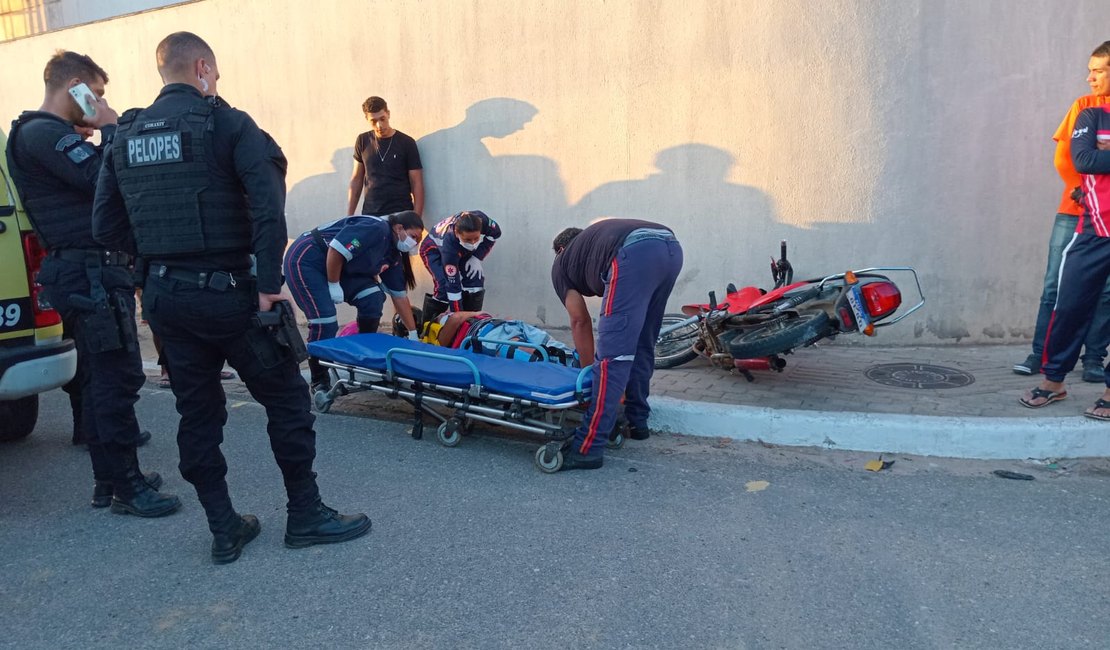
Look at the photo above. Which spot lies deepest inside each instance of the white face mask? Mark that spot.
(407, 244)
(469, 246)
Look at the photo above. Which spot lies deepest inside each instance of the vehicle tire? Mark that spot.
(676, 348)
(780, 336)
(18, 418)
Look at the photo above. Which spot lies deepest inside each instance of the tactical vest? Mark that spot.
(175, 203)
(56, 218)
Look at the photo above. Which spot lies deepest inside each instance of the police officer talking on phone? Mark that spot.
(55, 171)
(197, 187)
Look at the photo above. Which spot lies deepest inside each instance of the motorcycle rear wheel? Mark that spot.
(676, 348)
(780, 336)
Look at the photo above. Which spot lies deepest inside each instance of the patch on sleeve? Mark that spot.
(67, 141)
(351, 247)
(451, 270)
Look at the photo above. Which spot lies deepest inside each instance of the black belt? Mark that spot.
(217, 280)
(86, 255)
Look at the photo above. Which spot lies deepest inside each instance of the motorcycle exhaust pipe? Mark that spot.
(762, 363)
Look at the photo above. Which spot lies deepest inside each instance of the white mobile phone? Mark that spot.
(84, 98)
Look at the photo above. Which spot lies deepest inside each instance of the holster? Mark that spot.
(281, 325)
(106, 321)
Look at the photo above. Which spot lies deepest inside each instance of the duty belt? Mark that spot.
(216, 280)
(86, 255)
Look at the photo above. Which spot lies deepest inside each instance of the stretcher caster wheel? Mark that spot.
(549, 458)
(449, 434)
(616, 441)
(321, 401)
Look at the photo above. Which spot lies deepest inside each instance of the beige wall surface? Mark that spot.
(865, 133)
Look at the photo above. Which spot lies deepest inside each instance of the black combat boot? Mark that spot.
(311, 522)
(368, 325)
(228, 545)
(574, 460)
(230, 530)
(102, 490)
(132, 495)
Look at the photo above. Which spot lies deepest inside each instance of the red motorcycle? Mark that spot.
(753, 329)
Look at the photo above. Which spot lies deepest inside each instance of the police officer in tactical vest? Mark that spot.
(55, 171)
(199, 187)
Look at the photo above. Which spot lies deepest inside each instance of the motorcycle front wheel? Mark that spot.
(676, 348)
(780, 336)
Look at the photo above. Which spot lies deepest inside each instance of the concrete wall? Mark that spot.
(865, 132)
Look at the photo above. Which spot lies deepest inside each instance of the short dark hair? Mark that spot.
(469, 221)
(179, 50)
(373, 105)
(563, 239)
(64, 66)
(1102, 50)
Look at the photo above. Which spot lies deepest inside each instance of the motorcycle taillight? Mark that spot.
(881, 298)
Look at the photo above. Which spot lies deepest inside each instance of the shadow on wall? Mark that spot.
(320, 198)
(523, 193)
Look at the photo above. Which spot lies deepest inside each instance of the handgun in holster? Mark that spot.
(282, 325)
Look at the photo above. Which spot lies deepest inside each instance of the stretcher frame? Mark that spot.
(457, 408)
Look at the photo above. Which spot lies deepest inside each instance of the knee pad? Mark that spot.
(473, 300)
(433, 307)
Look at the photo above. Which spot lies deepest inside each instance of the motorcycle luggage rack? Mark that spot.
(873, 271)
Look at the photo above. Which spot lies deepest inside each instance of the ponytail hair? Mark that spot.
(470, 221)
(407, 220)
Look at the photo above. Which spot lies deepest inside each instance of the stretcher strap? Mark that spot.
(418, 414)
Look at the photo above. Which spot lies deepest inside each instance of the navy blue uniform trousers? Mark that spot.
(1083, 273)
(640, 280)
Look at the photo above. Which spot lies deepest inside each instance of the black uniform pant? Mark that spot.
(108, 381)
(200, 328)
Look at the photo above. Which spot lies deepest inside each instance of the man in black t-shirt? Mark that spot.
(633, 266)
(387, 166)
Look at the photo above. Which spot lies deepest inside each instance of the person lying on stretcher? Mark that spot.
(462, 329)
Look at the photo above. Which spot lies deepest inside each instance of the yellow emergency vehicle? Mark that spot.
(33, 355)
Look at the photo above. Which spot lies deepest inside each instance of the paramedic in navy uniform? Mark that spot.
(358, 260)
(453, 252)
(197, 187)
(633, 266)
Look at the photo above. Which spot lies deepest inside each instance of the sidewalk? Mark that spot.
(825, 398)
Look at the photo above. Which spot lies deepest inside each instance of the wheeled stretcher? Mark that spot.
(460, 387)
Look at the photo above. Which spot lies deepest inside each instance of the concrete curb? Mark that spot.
(926, 435)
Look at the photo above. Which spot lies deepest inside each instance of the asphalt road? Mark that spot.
(675, 543)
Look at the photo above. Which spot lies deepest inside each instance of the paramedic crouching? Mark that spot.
(633, 266)
(357, 260)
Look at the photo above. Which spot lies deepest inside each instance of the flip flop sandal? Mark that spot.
(226, 375)
(164, 382)
(1047, 395)
(1100, 404)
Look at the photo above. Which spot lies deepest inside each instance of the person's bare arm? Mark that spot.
(449, 329)
(416, 181)
(581, 327)
(354, 188)
(404, 310)
(334, 265)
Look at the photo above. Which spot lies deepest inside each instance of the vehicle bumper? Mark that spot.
(30, 370)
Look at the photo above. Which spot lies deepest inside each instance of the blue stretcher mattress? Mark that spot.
(546, 383)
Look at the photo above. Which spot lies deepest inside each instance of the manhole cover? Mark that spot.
(918, 375)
